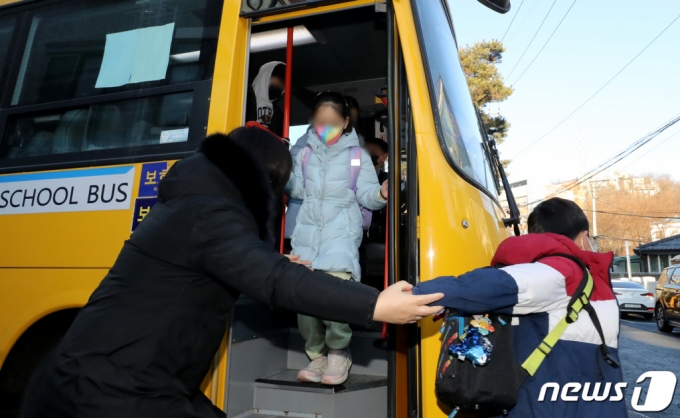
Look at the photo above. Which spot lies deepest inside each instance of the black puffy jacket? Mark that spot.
(147, 336)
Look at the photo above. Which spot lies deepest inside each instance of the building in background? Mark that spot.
(621, 180)
(620, 264)
(665, 228)
(657, 255)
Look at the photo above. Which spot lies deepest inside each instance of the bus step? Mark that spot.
(360, 395)
(287, 380)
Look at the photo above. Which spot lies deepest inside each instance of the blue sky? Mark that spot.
(594, 42)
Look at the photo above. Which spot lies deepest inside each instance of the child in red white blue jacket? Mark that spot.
(536, 294)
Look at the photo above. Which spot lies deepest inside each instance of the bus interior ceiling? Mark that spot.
(266, 350)
(348, 55)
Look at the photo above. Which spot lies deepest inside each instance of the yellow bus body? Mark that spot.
(54, 261)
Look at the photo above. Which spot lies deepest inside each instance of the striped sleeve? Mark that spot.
(540, 288)
(515, 290)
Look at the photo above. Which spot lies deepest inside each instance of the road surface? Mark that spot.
(643, 348)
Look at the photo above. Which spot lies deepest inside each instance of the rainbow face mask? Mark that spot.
(328, 134)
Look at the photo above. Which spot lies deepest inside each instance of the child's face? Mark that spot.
(327, 115)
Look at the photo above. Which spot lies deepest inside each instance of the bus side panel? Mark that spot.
(227, 99)
(80, 238)
(227, 104)
(28, 295)
(446, 200)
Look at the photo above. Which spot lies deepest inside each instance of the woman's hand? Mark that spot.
(296, 259)
(397, 305)
(384, 189)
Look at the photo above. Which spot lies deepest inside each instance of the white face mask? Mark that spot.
(590, 246)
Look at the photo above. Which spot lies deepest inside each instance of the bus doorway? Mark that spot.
(345, 52)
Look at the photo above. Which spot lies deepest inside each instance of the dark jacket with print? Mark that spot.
(146, 338)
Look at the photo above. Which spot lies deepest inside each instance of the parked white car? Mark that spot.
(633, 298)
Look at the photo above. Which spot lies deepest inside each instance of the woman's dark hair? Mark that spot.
(269, 150)
(337, 102)
(352, 102)
(559, 216)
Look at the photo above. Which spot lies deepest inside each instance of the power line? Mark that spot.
(674, 213)
(633, 215)
(657, 146)
(546, 42)
(532, 39)
(513, 19)
(521, 25)
(620, 156)
(598, 90)
(613, 160)
(620, 239)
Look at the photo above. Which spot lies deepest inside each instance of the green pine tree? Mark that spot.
(486, 83)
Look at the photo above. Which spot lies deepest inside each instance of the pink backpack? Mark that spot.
(354, 169)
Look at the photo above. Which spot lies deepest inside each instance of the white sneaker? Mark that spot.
(339, 363)
(312, 373)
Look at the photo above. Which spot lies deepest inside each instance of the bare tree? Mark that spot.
(628, 213)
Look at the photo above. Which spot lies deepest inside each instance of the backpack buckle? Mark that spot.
(612, 361)
(608, 357)
(572, 316)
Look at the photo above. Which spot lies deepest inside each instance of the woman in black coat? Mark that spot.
(145, 340)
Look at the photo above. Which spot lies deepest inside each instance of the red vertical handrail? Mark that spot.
(286, 123)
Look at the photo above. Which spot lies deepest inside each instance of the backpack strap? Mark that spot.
(306, 152)
(354, 167)
(579, 301)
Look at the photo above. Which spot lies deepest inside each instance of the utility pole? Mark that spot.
(592, 194)
(630, 275)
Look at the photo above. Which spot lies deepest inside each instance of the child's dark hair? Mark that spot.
(379, 142)
(337, 102)
(352, 102)
(559, 216)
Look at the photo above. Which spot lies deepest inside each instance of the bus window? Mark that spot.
(6, 32)
(66, 45)
(95, 81)
(137, 122)
(455, 116)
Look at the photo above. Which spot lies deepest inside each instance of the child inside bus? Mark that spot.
(329, 229)
(264, 94)
(354, 111)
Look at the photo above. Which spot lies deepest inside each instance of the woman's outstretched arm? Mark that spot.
(229, 250)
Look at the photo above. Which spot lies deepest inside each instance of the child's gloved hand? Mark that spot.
(296, 259)
(397, 305)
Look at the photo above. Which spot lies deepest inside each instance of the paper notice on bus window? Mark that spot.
(174, 135)
(136, 56)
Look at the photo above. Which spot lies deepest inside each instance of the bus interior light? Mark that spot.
(276, 39)
(185, 57)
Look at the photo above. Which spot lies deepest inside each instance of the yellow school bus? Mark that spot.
(98, 99)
